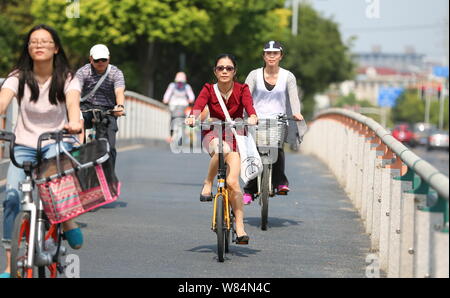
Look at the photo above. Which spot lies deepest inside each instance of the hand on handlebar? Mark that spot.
(73, 127)
(298, 117)
(252, 120)
(119, 111)
(190, 121)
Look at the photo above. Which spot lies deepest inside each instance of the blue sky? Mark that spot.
(400, 23)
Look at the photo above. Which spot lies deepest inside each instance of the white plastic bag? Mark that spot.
(251, 163)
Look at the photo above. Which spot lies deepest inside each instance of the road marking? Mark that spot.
(129, 148)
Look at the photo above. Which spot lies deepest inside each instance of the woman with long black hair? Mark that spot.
(48, 94)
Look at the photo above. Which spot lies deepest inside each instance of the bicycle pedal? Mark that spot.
(60, 268)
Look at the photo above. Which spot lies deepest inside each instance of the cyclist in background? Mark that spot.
(102, 87)
(48, 95)
(178, 96)
(274, 92)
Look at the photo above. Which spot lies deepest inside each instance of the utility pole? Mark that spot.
(295, 7)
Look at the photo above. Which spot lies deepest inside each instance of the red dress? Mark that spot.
(239, 100)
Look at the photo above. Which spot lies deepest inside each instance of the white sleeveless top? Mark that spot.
(267, 103)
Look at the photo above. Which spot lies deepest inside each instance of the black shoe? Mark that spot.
(243, 240)
(206, 198)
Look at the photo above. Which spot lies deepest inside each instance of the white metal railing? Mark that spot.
(146, 118)
(402, 199)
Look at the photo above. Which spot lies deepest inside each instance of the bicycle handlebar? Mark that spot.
(232, 124)
(102, 112)
(10, 137)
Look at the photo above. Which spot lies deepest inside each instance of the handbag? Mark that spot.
(72, 185)
(251, 163)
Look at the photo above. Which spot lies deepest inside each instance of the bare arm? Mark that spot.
(120, 101)
(6, 95)
(73, 111)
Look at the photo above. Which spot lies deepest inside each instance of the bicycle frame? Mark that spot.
(37, 255)
(221, 188)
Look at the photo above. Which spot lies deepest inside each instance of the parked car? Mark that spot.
(438, 139)
(421, 132)
(403, 133)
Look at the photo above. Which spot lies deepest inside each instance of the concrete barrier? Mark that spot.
(402, 199)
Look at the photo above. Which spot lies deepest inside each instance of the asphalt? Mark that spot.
(159, 228)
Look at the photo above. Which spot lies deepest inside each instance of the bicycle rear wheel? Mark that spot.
(265, 192)
(220, 228)
(20, 246)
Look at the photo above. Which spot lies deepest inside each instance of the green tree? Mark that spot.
(317, 55)
(409, 108)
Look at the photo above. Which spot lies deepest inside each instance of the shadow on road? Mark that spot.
(112, 205)
(235, 250)
(274, 222)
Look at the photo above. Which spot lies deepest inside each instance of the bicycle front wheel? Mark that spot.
(220, 228)
(265, 192)
(19, 247)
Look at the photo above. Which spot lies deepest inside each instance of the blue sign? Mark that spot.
(440, 71)
(387, 96)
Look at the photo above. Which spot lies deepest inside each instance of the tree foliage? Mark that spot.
(153, 39)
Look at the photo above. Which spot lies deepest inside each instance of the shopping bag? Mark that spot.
(251, 163)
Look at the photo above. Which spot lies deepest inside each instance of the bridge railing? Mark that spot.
(401, 198)
(146, 119)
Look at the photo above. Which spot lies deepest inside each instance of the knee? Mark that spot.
(233, 184)
(12, 201)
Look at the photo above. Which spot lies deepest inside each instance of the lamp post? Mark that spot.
(295, 5)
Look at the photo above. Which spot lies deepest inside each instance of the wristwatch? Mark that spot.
(120, 106)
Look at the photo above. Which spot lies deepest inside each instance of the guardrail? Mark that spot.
(401, 198)
(146, 119)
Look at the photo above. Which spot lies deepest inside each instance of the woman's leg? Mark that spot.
(235, 194)
(11, 204)
(278, 174)
(213, 166)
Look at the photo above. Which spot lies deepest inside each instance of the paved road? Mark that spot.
(159, 228)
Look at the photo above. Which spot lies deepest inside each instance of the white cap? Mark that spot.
(99, 51)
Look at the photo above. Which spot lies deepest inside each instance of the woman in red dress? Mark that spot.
(236, 97)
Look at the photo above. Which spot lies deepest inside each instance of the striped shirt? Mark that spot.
(105, 94)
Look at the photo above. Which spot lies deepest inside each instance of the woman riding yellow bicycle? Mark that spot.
(237, 97)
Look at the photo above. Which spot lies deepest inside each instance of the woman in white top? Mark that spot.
(49, 99)
(274, 92)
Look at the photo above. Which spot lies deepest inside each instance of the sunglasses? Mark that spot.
(227, 68)
(100, 60)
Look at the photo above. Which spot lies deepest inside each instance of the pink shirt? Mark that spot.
(38, 117)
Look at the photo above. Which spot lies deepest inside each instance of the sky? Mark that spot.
(392, 24)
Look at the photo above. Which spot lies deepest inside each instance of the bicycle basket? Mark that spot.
(270, 133)
(74, 189)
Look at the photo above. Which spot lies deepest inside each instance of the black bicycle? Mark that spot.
(270, 136)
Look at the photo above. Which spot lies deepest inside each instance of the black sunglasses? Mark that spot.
(100, 60)
(227, 68)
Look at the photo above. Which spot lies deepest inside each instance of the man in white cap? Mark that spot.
(103, 87)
